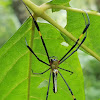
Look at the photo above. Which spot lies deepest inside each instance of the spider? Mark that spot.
(53, 61)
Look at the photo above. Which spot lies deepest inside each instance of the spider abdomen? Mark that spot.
(54, 75)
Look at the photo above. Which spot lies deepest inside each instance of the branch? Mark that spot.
(48, 6)
(39, 11)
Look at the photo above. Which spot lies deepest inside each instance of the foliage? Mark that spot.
(76, 24)
(15, 56)
(7, 19)
(16, 61)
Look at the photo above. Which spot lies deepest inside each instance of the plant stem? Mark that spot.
(48, 6)
(39, 11)
(47, 18)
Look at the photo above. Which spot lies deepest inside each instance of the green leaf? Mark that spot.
(76, 25)
(59, 2)
(15, 62)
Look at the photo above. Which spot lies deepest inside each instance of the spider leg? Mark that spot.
(35, 54)
(66, 70)
(36, 24)
(40, 73)
(74, 50)
(85, 30)
(68, 86)
(48, 86)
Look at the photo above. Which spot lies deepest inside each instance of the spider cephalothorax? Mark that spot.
(54, 62)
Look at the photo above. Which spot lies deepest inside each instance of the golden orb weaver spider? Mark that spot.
(53, 61)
